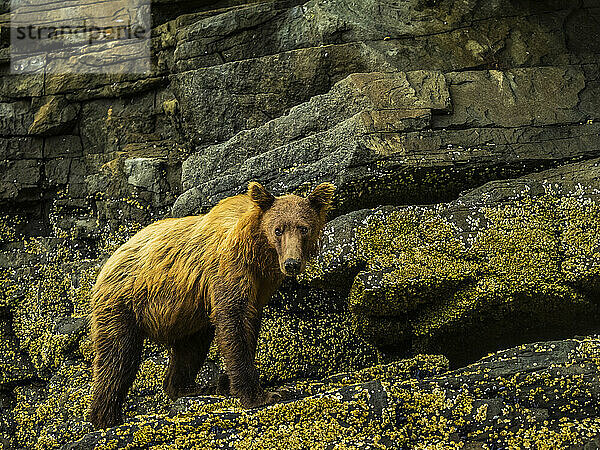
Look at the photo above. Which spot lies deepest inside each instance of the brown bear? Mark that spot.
(183, 281)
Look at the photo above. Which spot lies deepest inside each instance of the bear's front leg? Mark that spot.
(237, 324)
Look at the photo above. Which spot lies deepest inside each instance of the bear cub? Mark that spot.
(182, 282)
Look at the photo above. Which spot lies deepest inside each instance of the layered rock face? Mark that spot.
(464, 141)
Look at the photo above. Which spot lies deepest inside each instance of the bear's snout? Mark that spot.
(292, 266)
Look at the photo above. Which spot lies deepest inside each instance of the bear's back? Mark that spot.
(166, 265)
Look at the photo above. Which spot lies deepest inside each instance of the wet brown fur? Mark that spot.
(183, 281)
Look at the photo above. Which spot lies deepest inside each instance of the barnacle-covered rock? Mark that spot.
(542, 395)
(504, 264)
(308, 334)
(49, 415)
(14, 364)
(50, 318)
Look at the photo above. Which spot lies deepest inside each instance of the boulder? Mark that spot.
(509, 262)
(218, 101)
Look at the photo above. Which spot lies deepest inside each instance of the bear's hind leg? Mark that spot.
(118, 346)
(186, 358)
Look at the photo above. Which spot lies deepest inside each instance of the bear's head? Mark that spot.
(292, 224)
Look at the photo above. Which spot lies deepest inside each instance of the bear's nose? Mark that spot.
(292, 266)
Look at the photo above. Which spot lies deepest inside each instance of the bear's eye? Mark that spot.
(303, 230)
(278, 231)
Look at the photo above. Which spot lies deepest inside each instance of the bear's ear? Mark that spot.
(260, 195)
(321, 197)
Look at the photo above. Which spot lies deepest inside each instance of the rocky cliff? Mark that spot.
(464, 139)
